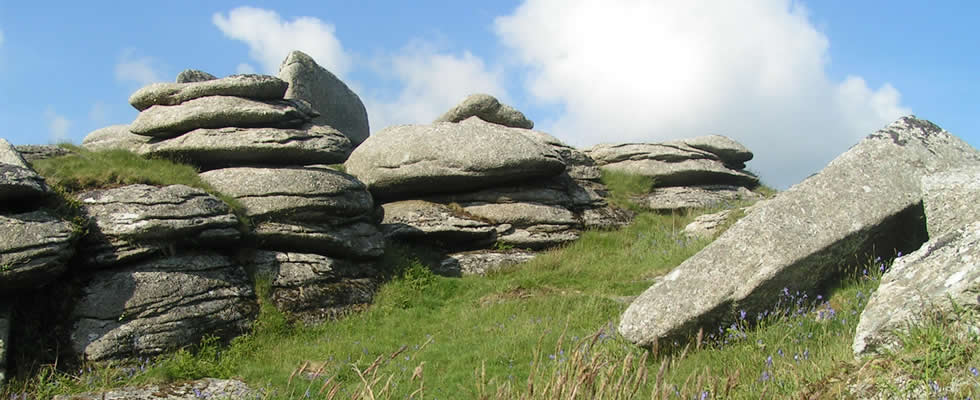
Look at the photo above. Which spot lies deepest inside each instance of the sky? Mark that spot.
(797, 82)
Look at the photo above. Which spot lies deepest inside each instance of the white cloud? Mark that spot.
(640, 70)
(244, 68)
(99, 113)
(141, 70)
(58, 126)
(270, 38)
(431, 83)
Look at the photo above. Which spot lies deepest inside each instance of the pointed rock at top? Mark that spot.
(489, 109)
(193, 75)
(338, 106)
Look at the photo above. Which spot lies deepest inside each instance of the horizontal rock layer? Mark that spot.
(256, 87)
(34, 248)
(220, 112)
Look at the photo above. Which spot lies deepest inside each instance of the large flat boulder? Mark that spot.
(138, 220)
(413, 160)
(728, 150)
(522, 214)
(697, 196)
(114, 137)
(218, 112)
(18, 181)
(337, 105)
(206, 388)
(357, 240)
(314, 287)
(489, 109)
(705, 160)
(944, 271)
(160, 305)
(866, 200)
(434, 222)
(482, 262)
(256, 87)
(232, 146)
(950, 199)
(34, 249)
(294, 193)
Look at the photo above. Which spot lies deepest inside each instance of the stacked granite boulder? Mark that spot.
(690, 173)
(487, 194)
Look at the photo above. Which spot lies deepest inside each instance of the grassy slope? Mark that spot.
(549, 322)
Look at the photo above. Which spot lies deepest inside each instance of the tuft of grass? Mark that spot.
(623, 186)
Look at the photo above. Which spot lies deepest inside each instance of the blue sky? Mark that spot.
(796, 82)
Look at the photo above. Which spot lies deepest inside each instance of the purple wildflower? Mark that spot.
(974, 371)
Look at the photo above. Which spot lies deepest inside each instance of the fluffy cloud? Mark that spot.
(270, 38)
(99, 113)
(638, 70)
(58, 126)
(141, 70)
(431, 81)
(244, 68)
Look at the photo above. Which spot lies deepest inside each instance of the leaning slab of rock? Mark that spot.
(193, 75)
(295, 193)
(315, 287)
(136, 220)
(34, 248)
(487, 108)
(358, 240)
(18, 181)
(414, 160)
(698, 196)
(160, 305)
(423, 220)
(337, 105)
(230, 146)
(482, 262)
(219, 112)
(944, 271)
(207, 388)
(951, 199)
(114, 137)
(257, 87)
(866, 200)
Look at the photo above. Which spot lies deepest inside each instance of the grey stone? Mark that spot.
(700, 196)
(137, 220)
(33, 152)
(219, 112)
(433, 222)
(414, 160)
(314, 287)
(114, 137)
(34, 248)
(358, 240)
(160, 305)
(578, 165)
(18, 181)
(256, 87)
(489, 109)
(337, 105)
(945, 270)
(5, 317)
(686, 172)
(522, 214)
(725, 148)
(482, 262)
(707, 226)
(866, 200)
(951, 199)
(230, 146)
(537, 237)
(295, 193)
(206, 388)
(678, 163)
(193, 75)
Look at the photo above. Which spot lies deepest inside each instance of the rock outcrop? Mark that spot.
(33, 152)
(207, 388)
(804, 236)
(34, 249)
(336, 104)
(193, 75)
(489, 109)
(219, 112)
(258, 87)
(18, 181)
(114, 137)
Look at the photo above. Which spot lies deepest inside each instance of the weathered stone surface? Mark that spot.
(313, 287)
(417, 219)
(359, 240)
(708, 225)
(700, 196)
(193, 75)
(18, 181)
(728, 150)
(944, 269)
(34, 248)
(230, 146)
(159, 305)
(138, 220)
(414, 160)
(866, 200)
(256, 87)
(522, 214)
(686, 172)
(482, 262)
(951, 199)
(538, 236)
(207, 388)
(219, 112)
(337, 105)
(33, 152)
(607, 217)
(489, 109)
(114, 137)
(5, 317)
(578, 165)
(679, 163)
(296, 193)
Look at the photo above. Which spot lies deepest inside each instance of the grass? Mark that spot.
(546, 330)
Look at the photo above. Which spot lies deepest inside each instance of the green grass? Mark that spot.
(624, 186)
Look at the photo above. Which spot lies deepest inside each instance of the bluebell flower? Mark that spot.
(974, 371)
